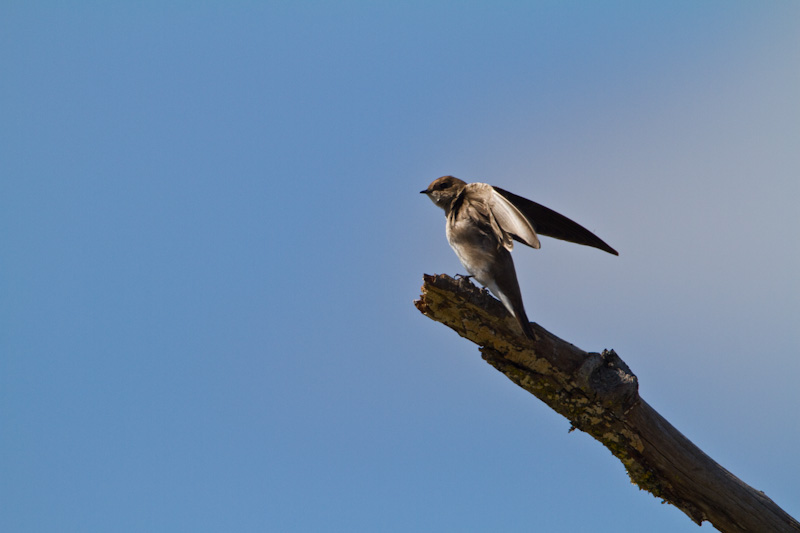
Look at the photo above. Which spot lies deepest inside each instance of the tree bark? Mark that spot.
(598, 394)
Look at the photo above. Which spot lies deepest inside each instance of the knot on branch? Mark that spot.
(606, 379)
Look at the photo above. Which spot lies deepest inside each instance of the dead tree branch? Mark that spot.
(598, 394)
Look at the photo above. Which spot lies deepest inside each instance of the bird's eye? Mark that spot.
(444, 185)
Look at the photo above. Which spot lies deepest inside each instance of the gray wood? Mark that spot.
(598, 394)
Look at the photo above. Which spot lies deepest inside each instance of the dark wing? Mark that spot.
(547, 222)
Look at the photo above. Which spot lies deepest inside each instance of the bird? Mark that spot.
(483, 222)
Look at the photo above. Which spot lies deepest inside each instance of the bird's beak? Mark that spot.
(424, 192)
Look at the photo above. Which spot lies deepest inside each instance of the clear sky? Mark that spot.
(212, 235)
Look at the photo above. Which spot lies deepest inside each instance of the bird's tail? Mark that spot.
(513, 302)
(525, 324)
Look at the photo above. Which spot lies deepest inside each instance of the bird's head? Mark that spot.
(443, 191)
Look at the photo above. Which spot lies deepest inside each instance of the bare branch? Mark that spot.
(598, 394)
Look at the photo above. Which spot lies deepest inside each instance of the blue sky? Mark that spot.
(212, 237)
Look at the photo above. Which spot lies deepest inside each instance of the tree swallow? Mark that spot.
(482, 223)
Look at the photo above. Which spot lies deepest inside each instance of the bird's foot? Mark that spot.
(466, 282)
